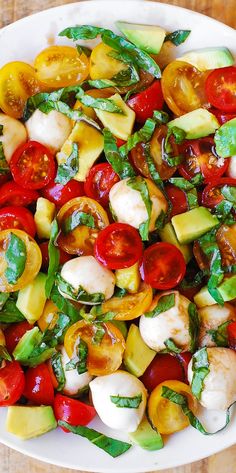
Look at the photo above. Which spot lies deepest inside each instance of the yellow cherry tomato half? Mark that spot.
(60, 66)
(18, 82)
(183, 87)
(131, 306)
(49, 316)
(103, 66)
(165, 415)
(104, 357)
(32, 263)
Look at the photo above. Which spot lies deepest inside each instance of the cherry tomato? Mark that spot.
(13, 194)
(185, 358)
(72, 411)
(226, 239)
(14, 333)
(64, 257)
(99, 182)
(17, 83)
(231, 330)
(49, 316)
(144, 103)
(221, 88)
(163, 266)
(212, 195)
(17, 217)
(59, 194)
(177, 198)
(102, 65)
(32, 165)
(12, 383)
(61, 66)
(222, 117)
(38, 385)
(201, 157)
(118, 246)
(130, 306)
(163, 367)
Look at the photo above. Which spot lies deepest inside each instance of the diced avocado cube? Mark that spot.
(227, 289)
(138, 355)
(121, 325)
(203, 298)
(196, 124)
(191, 225)
(146, 437)
(146, 37)
(26, 344)
(168, 234)
(120, 125)
(43, 217)
(32, 298)
(225, 139)
(208, 58)
(28, 422)
(128, 278)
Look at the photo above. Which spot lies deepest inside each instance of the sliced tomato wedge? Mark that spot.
(12, 383)
(59, 194)
(38, 385)
(178, 200)
(163, 367)
(220, 88)
(212, 195)
(14, 333)
(17, 217)
(12, 193)
(101, 178)
(73, 411)
(144, 103)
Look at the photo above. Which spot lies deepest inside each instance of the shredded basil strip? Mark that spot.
(107, 105)
(178, 37)
(164, 303)
(139, 184)
(76, 219)
(211, 249)
(54, 258)
(83, 49)
(56, 362)
(79, 294)
(99, 334)
(4, 296)
(4, 354)
(69, 168)
(15, 256)
(171, 347)
(120, 165)
(55, 335)
(4, 168)
(8, 311)
(179, 136)
(120, 292)
(127, 402)
(64, 305)
(223, 212)
(193, 325)
(189, 188)
(229, 192)
(151, 165)
(220, 335)
(200, 367)
(195, 281)
(80, 361)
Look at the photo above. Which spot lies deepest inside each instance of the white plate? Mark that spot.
(22, 41)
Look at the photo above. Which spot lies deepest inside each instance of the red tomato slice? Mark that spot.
(221, 88)
(17, 217)
(118, 246)
(64, 257)
(163, 266)
(222, 117)
(59, 194)
(162, 368)
(38, 385)
(101, 178)
(231, 329)
(12, 383)
(32, 165)
(73, 411)
(13, 194)
(178, 200)
(144, 103)
(211, 195)
(185, 359)
(14, 333)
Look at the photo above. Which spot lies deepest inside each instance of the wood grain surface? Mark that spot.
(11, 461)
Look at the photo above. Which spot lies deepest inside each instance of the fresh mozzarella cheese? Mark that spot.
(85, 271)
(219, 390)
(75, 382)
(50, 129)
(13, 135)
(231, 171)
(173, 323)
(211, 317)
(121, 384)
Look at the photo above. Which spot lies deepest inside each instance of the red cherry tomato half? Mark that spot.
(118, 246)
(12, 383)
(59, 194)
(212, 195)
(185, 359)
(231, 329)
(144, 103)
(32, 165)
(17, 217)
(13, 194)
(162, 368)
(101, 178)
(72, 411)
(163, 266)
(221, 88)
(14, 333)
(38, 385)
(222, 117)
(178, 200)
(64, 257)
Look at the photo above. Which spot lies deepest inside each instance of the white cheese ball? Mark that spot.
(173, 323)
(231, 171)
(219, 390)
(123, 384)
(75, 383)
(14, 135)
(129, 207)
(50, 129)
(210, 318)
(85, 271)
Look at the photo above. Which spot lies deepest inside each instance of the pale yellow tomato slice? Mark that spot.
(131, 306)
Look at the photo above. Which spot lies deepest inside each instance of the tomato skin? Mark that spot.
(118, 246)
(144, 103)
(64, 257)
(14, 333)
(120, 142)
(163, 367)
(220, 88)
(178, 199)
(59, 194)
(17, 217)
(100, 179)
(38, 385)
(222, 117)
(12, 383)
(12, 193)
(211, 195)
(231, 330)
(72, 411)
(185, 359)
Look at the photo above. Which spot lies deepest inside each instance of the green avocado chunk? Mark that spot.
(189, 226)
(146, 37)
(28, 422)
(227, 289)
(31, 299)
(208, 58)
(225, 139)
(168, 234)
(26, 344)
(138, 355)
(146, 437)
(196, 124)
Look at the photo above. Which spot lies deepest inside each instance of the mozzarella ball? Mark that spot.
(173, 323)
(129, 207)
(75, 383)
(14, 135)
(50, 129)
(210, 318)
(121, 384)
(219, 390)
(231, 171)
(85, 271)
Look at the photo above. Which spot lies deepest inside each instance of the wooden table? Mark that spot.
(12, 10)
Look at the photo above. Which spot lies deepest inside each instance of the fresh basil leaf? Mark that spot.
(220, 335)
(223, 212)
(69, 168)
(179, 135)
(181, 183)
(120, 165)
(139, 184)
(106, 317)
(83, 49)
(225, 139)
(15, 256)
(4, 296)
(54, 258)
(78, 294)
(113, 447)
(229, 192)
(200, 367)
(211, 249)
(80, 361)
(126, 77)
(4, 355)
(193, 325)
(120, 292)
(9, 312)
(64, 305)
(81, 32)
(171, 347)
(101, 83)
(127, 402)
(160, 221)
(107, 105)
(4, 168)
(164, 303)
(99, 334)
(151, 165)
(177, 37)
(55, 335)
(76, 219)
(56, 362)
(39, 355)
(192, 198)
(194, 282)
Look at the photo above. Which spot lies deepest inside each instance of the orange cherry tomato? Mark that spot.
(49, 316)
(131, 306)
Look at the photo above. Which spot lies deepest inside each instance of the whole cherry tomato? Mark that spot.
(12, 193)
(163, 367)
(12, 383)
(73, 411)
(99, 182)
(212, 194)
(17, 217)
(59, 194)
(177, 198)
(38, 385)
(144, 103)
(220, 88)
